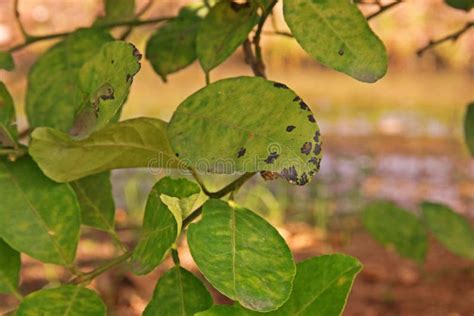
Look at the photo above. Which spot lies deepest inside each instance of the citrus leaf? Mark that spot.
(234, 248)
(173, 46)
(335, 33)
(469, 128)
(135, 143)
(396, 227)
(8, 130)
(213, 130)
(178, 292)
(465, 5)
(6, 61)
(161, 223)
(117, 11)
(94, 194)
(450, 228)
(54, 94)
(223, 30)
(229, 310)
(66, 300)
(10, 265)
(39, 217)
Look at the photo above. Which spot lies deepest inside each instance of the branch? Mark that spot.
(383, 8)
(20, 25)
(450, 37)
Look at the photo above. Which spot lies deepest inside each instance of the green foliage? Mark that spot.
(39, 217)
(9, 268)
(8, 131)
(223, 30)
(117, 10)
(469, 128)
(397, 228)
(212, 130)
(178, 292)
(233, 247)
(162, 221)
(465, 5)
(451, 229)
(335, 33)
(6, 61)
(135, 143)
(66, 300)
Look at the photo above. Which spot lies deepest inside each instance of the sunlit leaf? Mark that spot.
(213, 131)
(135, 143)
(469, 128)
(397, 228)
(178, 292)
(242, 256)
(465, 5)
(116, 11)
(8, 131)
(66, 300)
(223, 30)
(450, 228)
(38, 216)
(162, 222)
(336, 34)
(9, 268)
(6, 61)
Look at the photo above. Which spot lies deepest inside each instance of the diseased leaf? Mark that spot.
(234, 248)
(397, 228)
(173, 46)
(10, 265)
(97, 203)
(213, 131)
(178, 292)
(469, 128)
(336, 34)
(135, 143)
(117, 11)
(223, 30)
(465, 5)
(162, 221)
(39, 217)
(450, 228)
(6, 61)
(8, 130)
(54, 94)
(66, 300)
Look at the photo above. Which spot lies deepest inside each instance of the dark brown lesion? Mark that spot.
(306, 148)
(317, 136)
(269, 175)
(317, 149)
(289, 128)
(272, 157)
(311, 118)
(280, 85)
(241, 152)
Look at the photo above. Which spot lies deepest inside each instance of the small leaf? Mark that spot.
(97, 203)
(117, 11)
(396, 227)
(336, 34)
(465, 5)
(8, 130)
(54, 94)
(66, 300)
(6, 61)
(234, 248)
(173, 46)
(39, 217)
(469, 128)
(178, 292)
(223, 30)
(247, 125)
(162, 222)
(450, 228)
(10, 265)
(135, 143)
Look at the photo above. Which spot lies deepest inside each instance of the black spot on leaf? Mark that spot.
(306, 148)
(317, 149)
(302, 180)
(311, 118)
(280, 85)
(341, 52)
(136, 53)
(304, 106)
(272, 157)
(296, 99)
(177, 154)
(291, 175)
(317, 136)
(289, 128)
(241, 152)
(112, 61)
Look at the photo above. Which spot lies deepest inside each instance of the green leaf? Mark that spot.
(335, 33)
(247, 124)
(54, 93)
(8, 130)
(450, 228)
(223, 30)
(162, 221)
(136, 143)
(66, 300)
(39, 217)
(6, 61)
(173, 46)
(228, 310)
(234, 248)
(465, 5)
(10, 265)
(97, 203)
(469, 128)
(117, 11)
(178, 292)
(397, 228)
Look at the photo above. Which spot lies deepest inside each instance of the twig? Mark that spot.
(450, 37)
(140, 13)
(18, 20)
(383, 8)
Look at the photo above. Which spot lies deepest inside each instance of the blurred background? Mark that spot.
(399, 139)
